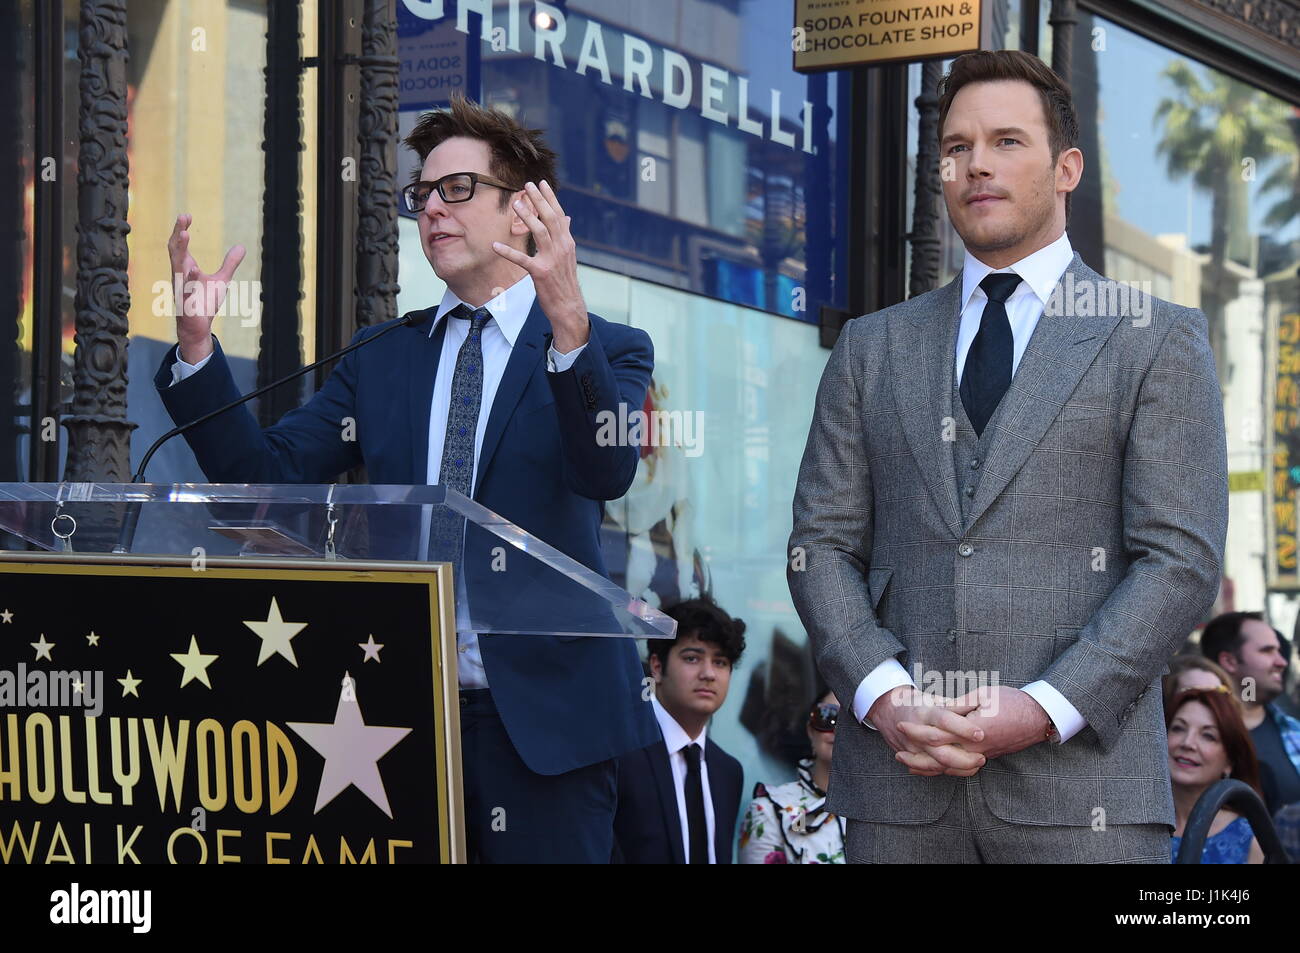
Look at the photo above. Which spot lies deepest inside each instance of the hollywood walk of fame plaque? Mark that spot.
(163, 710)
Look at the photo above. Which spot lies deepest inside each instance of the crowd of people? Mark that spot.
(1227, 715)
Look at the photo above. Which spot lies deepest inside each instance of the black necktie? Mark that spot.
(697, 828)
(987, 374)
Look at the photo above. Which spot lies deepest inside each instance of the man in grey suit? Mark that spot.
(1010, 513)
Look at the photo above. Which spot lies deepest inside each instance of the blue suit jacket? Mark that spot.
(565, 702)
(648, 827)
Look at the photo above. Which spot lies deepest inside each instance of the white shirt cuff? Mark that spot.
(558, 363)
(885, 677)
(1064, 716)
(181, 370)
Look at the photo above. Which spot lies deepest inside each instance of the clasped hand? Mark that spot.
(934, 735)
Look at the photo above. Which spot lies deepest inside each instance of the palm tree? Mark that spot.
(1209, 129)
(1285, 178)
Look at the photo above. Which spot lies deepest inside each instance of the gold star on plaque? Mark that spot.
(7, 616)
(275, 634)
(93, 639)
(42, 649)
(129, 684)
(194, 663)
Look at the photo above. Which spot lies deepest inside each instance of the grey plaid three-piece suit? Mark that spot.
(1078, 541)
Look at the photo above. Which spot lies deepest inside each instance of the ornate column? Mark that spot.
(279, 344)
(1085, 206)
(1062, 19)
(924, 237)
(13, 233)
(376, 287)
(99, 435)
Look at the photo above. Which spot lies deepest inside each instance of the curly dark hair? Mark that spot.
(822, 691)
(708, 622)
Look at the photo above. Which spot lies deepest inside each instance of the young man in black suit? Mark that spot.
(678, 798)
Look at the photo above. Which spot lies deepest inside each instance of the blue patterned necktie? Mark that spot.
(987, 374)
(457, 470)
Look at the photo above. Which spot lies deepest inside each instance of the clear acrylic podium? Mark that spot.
(507, 581)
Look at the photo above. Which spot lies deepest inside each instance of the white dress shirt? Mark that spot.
(676, 740)
(1040, 273)
(509, 312)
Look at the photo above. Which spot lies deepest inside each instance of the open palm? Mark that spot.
(198, 295)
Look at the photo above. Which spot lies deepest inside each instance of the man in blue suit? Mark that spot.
(497, 392)
(678, 798)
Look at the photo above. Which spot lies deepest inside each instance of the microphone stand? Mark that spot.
(126, 537)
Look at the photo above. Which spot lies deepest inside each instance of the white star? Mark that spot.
(194, 663)
(7, 616)
(351, 750)
(371, 648)
(43, 648)
(78, 685)
(93, 639)
(129, 684)
(275, 634)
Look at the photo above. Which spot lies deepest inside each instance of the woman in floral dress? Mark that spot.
(788, 823)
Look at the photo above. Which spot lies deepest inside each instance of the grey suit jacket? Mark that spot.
(1091, 549)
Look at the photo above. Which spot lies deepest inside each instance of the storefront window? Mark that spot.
(17, 213)
(708, 236)
(691, 154)
(1199, 178)
(196, 97)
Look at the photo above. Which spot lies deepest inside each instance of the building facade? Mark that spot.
(737, 210)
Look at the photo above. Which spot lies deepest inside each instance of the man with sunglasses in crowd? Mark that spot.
(496, 392)
(678, 798)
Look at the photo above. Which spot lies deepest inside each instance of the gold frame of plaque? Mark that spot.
(435, 577)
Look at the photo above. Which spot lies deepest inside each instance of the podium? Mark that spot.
(241, 673)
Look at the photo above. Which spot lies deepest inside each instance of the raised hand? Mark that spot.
(555, 266)
(198, 295)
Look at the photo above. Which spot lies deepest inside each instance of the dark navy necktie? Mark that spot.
(697, 825)
(987, 374)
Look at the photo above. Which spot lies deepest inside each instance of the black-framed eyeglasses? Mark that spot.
(823, 717)
(453, 188)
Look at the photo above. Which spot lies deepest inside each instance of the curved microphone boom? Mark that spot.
(132, 517)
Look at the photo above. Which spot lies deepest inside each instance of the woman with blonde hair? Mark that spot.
(1195, 671)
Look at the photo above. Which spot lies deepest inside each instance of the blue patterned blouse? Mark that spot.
(1230, 846)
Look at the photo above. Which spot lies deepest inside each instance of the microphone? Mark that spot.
(127, 535)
